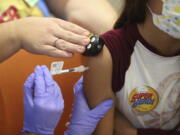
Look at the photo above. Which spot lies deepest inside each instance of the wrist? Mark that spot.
(9, 31)
(8, 41)
(15, 34)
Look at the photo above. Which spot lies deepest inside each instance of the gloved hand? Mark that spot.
(84, 120)
(43, 102)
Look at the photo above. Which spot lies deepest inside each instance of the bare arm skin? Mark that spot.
(97, 84)
(98, 16)
(8, 43)
(57, 7)
(122, 126)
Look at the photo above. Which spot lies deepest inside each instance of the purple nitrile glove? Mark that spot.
(43, 102)
(84, 120)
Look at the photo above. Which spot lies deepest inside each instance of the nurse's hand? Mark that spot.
(84, 120)
(50, 36)
(43, 102)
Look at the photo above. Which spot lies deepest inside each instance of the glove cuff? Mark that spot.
(37, 131)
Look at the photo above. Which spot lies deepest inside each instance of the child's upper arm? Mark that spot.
(98, 87)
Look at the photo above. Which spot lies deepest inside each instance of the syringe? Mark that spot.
(75, 69)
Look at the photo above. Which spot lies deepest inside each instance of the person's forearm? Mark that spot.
(57, 7)
(96, 16)
(8, 42)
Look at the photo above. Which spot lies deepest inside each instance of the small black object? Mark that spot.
(95, 46)
(71, 70)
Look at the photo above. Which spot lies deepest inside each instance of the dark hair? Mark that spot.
(134, 12)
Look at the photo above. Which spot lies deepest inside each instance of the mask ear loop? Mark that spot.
(152, 13)
(164, 2)
(150, 9)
